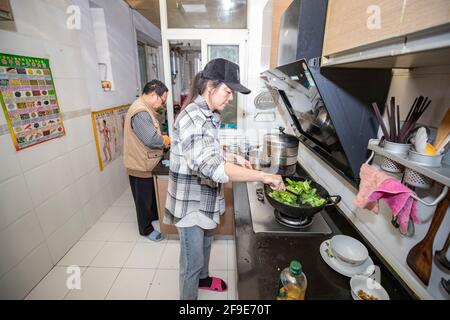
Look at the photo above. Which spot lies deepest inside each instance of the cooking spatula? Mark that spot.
(443, 130)
(420, 257)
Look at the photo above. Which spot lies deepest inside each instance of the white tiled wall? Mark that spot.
(52, 193)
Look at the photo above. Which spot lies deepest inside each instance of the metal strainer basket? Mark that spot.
(415, 179)
(266, 100)
(391, 166)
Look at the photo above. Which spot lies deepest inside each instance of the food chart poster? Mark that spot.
(108, 133)
(28, 99)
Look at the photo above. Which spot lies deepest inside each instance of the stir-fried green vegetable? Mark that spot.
(308, 195)
(284, 197)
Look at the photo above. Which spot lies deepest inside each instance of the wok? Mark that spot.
(303, 211)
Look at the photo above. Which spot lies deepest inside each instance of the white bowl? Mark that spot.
(349, 249)
(369, 286)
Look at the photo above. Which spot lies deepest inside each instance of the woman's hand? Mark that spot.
(275, 181)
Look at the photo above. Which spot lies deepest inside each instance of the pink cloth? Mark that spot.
(370, 180)
(398, 198)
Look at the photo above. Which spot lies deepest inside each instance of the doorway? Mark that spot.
(185, 63)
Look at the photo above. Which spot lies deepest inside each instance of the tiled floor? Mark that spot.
(115, 262)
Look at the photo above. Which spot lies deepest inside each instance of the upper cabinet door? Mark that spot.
(356, 23)
(424, 14)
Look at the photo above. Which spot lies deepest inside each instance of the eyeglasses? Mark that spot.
(163, 101)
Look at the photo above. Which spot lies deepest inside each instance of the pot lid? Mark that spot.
(288, 140)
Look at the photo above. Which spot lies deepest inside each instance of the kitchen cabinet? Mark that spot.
(346, 24)
(359, 30)
(226, 226)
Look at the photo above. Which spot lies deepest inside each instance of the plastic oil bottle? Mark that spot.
(293, 282)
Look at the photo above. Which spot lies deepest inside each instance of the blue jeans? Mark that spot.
(195, 245)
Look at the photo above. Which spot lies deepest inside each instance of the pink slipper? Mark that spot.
(216, 285)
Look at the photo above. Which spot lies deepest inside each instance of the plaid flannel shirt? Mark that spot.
(194, 158)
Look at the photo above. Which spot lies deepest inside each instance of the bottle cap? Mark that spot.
(295, 267)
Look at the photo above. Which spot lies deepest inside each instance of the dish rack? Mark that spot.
(415, 174)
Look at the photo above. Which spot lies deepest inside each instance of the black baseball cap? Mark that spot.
(226, 72)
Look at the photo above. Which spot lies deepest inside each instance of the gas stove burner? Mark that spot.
(299, 223)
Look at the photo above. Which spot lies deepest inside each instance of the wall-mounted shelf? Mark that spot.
(438, 174)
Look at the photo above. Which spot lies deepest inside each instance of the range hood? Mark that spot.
(331, 110)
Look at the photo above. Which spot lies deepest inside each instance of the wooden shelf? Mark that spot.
(438, 174)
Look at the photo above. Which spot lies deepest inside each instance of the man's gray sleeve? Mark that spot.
(144, 129)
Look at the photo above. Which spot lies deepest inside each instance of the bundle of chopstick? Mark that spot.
(399, 133)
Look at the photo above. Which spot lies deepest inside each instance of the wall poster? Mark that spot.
(108, 132)
(28, 99)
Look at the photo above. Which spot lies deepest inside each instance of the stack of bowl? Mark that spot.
(349, 250)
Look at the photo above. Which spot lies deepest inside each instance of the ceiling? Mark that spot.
(215, 14)
(148, 8)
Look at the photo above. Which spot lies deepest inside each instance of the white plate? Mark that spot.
(343, 268)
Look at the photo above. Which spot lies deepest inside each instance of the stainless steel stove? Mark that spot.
(266, 220)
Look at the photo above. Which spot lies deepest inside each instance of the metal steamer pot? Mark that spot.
(302, 211)
(281, 150)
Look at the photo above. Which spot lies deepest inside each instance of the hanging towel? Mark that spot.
(370, 180)
(398, 198)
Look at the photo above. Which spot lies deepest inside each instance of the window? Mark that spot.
(211, 14)
(5, 10)
(231, 53)
(142, 64)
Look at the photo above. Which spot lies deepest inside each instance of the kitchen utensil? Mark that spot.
(420, 140)
(348, 270)
(397, 148)
(281, 149)
(416, 179)
(302, 211)
(443, 130)
(420, 257)
(420, 105)
(443, 145)
(349, 249)
(425, 160)
(446, 285)
(441, 255)
(430, 150)
(397, 133)
(380, 120)
(266, 100)
(369, 286)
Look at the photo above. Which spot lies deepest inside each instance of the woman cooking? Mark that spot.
(198, 168)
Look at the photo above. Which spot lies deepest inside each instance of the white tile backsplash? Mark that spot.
(10, 163)
(72, 94)
(65, 237)
(18, 282)
(55, 28)
(78, 132)
(62, 173)
(60, 55)
(10, 208)
(56, 211)
(43, 153)
(18, 240)
(41, 183)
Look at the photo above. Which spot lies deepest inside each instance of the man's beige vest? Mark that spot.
(139, 160)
